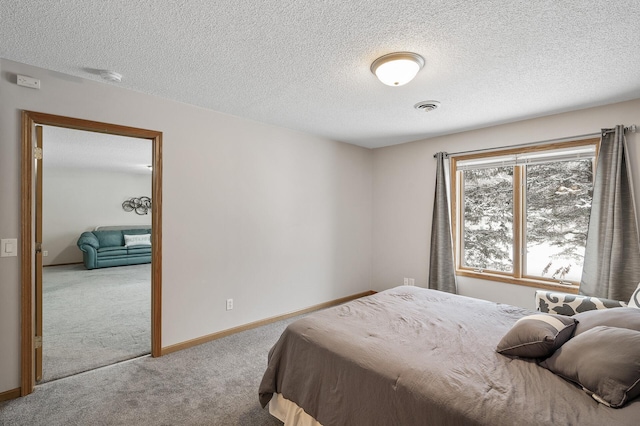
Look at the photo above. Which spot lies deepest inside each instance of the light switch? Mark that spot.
(8, 247)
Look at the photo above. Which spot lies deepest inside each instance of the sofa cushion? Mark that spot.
(109, 238)
(139, 250)
(111, 251)
(136, 231)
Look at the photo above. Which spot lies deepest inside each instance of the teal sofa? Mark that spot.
(105, 248)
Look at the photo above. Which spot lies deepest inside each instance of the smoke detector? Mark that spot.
(427, 106)
(111, 76)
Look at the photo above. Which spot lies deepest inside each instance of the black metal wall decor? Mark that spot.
(140, 205)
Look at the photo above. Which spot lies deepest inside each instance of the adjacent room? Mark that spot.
(92, 183)
(326, 213)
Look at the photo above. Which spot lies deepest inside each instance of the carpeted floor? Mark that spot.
(212, 384)
(93, 318)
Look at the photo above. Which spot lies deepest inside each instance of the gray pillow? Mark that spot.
(616, 317)
(536, 336)
(605, 361)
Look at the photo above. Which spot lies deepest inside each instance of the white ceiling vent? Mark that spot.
(111, 76)
(427, 106)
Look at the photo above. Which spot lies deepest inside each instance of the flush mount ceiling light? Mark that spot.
(111, 76)
(396, 69)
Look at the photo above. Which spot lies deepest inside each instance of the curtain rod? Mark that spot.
(632, 129)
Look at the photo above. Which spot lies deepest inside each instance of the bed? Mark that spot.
(412, 356)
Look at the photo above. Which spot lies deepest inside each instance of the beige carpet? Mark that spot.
(215, 384)
(93, 318)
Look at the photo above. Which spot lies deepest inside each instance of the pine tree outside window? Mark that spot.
(521, 215)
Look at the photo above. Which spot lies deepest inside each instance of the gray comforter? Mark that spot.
(410, 356)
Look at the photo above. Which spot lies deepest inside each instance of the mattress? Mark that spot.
(411, 356)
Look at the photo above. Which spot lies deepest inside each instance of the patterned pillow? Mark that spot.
(571, 304)
(634, 302)
(537, 335)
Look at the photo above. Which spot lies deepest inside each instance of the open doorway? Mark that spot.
(96, 302)
(32, 258)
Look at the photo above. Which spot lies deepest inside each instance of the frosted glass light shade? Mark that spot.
(396, 69)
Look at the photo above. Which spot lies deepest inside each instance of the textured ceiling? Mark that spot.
(68, 148)
(305, 65)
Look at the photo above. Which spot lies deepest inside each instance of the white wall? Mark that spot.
(76, 200)
(278, 220)
(404, 185)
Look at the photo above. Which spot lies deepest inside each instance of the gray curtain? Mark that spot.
(612, 255)
(442, 267)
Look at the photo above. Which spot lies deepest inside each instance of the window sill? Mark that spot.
(528, 282)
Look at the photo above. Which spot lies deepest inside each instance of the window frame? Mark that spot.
(519, 175)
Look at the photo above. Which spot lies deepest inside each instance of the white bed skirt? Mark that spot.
(289, 412)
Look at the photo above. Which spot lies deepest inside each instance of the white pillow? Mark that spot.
(634, 302)
(137, 240)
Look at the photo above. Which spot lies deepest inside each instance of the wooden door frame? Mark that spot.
(29, 120)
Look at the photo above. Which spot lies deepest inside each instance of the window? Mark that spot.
(521, 215)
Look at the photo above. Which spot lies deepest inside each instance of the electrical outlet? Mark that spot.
(406, 281)
(45, 253)
(229, 304)
(412, 281)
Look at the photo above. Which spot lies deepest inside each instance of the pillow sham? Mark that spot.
(537, 335)
(605, 361)
(137, 240)
(617, 317)
(571, 304)
(634, 302)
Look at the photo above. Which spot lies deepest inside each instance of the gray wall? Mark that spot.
(404, 182)
(76, 200)
(277, 219)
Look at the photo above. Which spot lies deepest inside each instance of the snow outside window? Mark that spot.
(523, 214)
